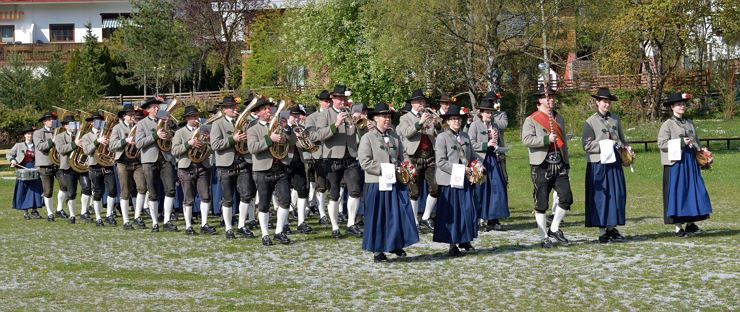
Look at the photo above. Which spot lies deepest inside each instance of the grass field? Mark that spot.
(58, 266)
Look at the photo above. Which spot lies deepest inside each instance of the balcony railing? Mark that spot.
(37, 52)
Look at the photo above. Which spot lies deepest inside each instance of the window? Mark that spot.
(62, 32)
(111, 22)
(7, 33)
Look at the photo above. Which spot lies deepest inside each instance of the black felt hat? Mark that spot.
(52, 115)
(27, 129)
(454, 111)
(417, 94)
(341, 90)
(603, 93)
(676, 97)
(324, 95)
(67, 119)
(151, 101)
(127, 107)
(381, 108)
(190, 110)
(94, 116)
(486, 104)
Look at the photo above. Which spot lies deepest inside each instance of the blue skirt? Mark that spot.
(27, 194)
(456, 215)
(389, 221)
(606, 194)
(685, 198)
(492, 194)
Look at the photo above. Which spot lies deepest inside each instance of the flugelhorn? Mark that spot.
(302, 139)
(165, 144)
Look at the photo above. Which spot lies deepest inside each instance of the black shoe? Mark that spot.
(336, 234)
(50, 218)
(222, 223)
(342, 218)
(454, 252)
(266, 241)
(99, 222)
(86, 216)
(324, 221)
(286, 230)
(111, 220)
(605, 238)
(71, 220)
(26, 216)
(692, 228)
(169, 227)
(496, 226)
(354, 230)
(244, 232)
(682, 233)
(380, 258)
(282, 238)
(426, 225)
(546, 243)
(128, 226)
(173, 216)
(294, 214)
(207, 229)
(230, 234)
(483, 227)
(140, 223)
(155, 228)
(189, 231)
(615, 235)
(361, 223)
(313, 209)
(399, 252)
(303, 228)
(35, 214)
(62, 214)
(558, 236)
(467, 246)
(252, 224)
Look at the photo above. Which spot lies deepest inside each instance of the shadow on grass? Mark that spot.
(442, 255)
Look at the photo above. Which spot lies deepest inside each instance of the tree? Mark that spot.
(17, 83)
(52, 83)
(84, 75)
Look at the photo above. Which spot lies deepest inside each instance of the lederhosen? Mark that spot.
(274, 180)
(101, 177)
(48, 173)
(237, 177)
(130, 172)
(297, 173)
(196, 177)
(551, 174)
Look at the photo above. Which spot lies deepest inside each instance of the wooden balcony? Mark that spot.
(37, 52)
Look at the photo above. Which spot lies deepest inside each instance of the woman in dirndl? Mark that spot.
(28, 189)
(685, 198)
(456, 222)
(487, 145)
(606, 193)
(389, 220)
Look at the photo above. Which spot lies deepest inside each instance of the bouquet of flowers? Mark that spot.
(476, 172)
(704, 158)
(406, 171)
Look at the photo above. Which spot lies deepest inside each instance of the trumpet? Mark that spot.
(435, 121)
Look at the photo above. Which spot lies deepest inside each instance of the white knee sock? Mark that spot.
(187, 212)
(204, 209)
(311, 191)
(301, 210)
(96, 207)
(61, 199)
(429, 207)
(559, 215)
(282, 219)
(293, 199)
(352, 205)
(140, 200)
(415, 210)
(541, 220)
(275, 203)
(111, 203)
(47, 204)
(250, 210)
(84, 203)
(264, 219)
(154, 211)
(71, 207)
(226, 212)
(124, 210)
(679, 227)
(334, 214)
(341, 199)
(146, 203)
(555, 200)
(320, 204)
(243, 207)
(169, 202)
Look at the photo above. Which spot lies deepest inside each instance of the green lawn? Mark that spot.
(58, 266)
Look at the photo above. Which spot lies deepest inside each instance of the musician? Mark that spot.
(488, 144)
(100, 176)
(336, 131)
(606, 193)
(130, 172)
(233, 170)
(444, 103)
(389, 221)
(419, 140)
(156, 163)
(65, 144)
(28, 188)
(543, 134)
(43, 140)
(297, 171)
(193, 176)
(501, 120)
(456, 215)
(316, 162)
(270, 173)
(685, 197)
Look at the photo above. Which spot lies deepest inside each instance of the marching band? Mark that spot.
(249, 155)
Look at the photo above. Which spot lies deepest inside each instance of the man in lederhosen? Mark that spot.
(193, 176)
(43, 139)
(100, 177)
(65, 144)
(131, 178)
(339, 151)
(543, 134)
(297, 171)
(418, 139)
(270, 174)
(233, 170)
(316, 163)
(156, 163)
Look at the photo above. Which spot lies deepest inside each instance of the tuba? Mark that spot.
(103, 155)
(78, 158)
(242, 122)
(131, 151)
(302, 139)
(165, 145)
(198, 155)
(279, 150)
(53, 154)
